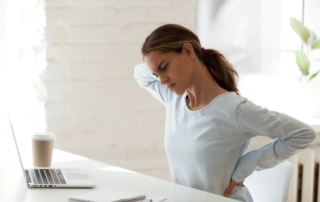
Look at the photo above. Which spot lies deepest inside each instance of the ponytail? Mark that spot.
(220, 69)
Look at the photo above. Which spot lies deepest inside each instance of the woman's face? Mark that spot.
(172, 69)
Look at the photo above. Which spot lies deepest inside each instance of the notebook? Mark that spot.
(111, 195)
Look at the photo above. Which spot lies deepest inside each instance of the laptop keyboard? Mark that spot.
(47, 176)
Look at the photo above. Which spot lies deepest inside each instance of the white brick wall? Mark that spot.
(70, 67)
(92, 102)
(2, 42)
(25, 59)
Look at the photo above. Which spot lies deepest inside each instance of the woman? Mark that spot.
(209, 125)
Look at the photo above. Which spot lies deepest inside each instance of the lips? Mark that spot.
(171, 86)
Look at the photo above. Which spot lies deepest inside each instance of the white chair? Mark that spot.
(270, 184)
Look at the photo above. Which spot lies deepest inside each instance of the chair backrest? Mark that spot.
(270, 184)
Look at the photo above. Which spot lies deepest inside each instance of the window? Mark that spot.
(250, 33)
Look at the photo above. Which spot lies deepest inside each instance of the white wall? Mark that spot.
(247, 32)
(2, 38)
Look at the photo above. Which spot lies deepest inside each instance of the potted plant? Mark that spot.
(305, 91)
(311, 42)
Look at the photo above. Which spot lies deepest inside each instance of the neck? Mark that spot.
(203, 88)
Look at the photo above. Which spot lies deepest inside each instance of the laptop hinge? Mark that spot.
(28, 176)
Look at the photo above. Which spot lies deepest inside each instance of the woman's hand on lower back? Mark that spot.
(231, 186)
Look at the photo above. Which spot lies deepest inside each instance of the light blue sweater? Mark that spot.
(205, 148)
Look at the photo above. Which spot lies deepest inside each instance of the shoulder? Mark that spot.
(232, 100)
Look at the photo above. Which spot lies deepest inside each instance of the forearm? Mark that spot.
(273, 153)
(143, 75)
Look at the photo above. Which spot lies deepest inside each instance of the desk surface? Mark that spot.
(13, 188)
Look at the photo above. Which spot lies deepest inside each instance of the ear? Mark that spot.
(188, 49)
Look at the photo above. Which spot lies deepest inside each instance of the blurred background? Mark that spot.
(66, 66)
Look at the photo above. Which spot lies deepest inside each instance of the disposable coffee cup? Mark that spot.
(42, 146)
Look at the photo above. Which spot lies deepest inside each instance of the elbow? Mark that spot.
(141, 75)
(313, 135)
(136, 72)
(137, 75)
(308, 137)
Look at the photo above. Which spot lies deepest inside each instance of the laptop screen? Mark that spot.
(15, 141)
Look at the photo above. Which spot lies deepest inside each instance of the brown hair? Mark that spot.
(171, 37)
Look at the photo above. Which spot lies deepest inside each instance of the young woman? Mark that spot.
(209, 124)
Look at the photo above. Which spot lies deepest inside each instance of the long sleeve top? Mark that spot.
(206, 148)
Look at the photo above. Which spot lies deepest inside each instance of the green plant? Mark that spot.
(310, 40)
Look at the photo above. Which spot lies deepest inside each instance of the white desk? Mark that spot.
(13, 188)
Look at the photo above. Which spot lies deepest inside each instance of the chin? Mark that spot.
(178, 93)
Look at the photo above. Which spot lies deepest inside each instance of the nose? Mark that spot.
(162, 80)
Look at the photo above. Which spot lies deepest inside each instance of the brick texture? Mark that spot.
(92, 102)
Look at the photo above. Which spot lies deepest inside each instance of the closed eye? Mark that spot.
(165, 67)
(161, 69)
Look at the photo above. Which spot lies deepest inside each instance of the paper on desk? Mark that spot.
(108, 194)
(154, 199)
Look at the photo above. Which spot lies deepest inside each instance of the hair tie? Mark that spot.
(203, 50)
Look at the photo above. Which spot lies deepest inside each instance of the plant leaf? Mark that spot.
(312, 37)
(303, 62)
(314, 75)
(300, 29)
(316, 44)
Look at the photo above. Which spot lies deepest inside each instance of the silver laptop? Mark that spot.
(53, 177)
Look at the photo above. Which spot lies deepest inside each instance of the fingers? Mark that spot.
(230, 188)
(241, 184)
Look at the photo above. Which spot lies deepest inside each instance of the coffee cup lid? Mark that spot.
(43, 136)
